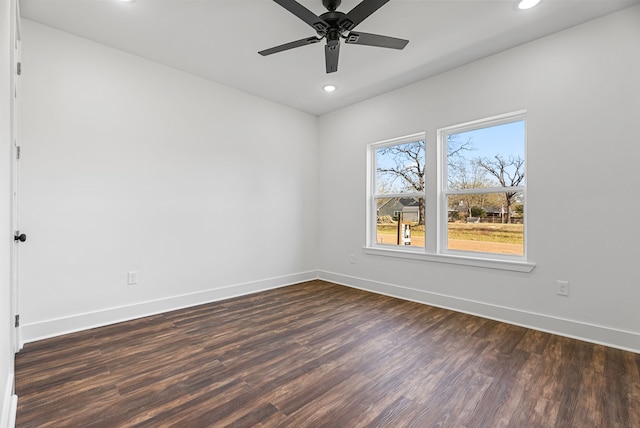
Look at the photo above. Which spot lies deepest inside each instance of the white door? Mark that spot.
(19, 236)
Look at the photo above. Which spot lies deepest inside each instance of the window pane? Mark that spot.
(400, 168)
(487, 223)
(400, 221)
(486, 157)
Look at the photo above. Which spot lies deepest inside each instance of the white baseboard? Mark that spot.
(9, 405)
(625, 340)
(60, 326)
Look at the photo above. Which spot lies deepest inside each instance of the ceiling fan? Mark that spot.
(334, 25)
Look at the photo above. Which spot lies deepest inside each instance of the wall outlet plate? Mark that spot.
(563, 288)
(132, 277)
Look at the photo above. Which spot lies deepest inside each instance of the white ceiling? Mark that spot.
(219, 40)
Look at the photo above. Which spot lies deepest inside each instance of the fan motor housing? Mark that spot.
(333, 19)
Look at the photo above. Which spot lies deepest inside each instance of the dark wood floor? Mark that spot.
(322, 355)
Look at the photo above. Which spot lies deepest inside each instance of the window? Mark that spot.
(479, 215)
(398, 192)
(483, 187)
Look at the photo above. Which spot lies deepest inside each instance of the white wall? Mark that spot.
(127, 165)
(582, 93)
(7, 403)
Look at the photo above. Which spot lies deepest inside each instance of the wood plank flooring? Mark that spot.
(318, 354)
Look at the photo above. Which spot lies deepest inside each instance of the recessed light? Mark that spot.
(527, 4)
(329, 88)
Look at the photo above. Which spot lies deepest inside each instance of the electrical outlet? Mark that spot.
(352, 259)
(563, 288)
(132, 277)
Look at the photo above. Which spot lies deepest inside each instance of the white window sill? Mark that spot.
(516, 266)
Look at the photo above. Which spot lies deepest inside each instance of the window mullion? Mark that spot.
(481, 190)
(400, 195)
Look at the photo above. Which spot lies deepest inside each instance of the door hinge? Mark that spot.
(19, 68)
(17, 152)
(17, 321)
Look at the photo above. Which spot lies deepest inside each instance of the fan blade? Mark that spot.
(331, 54)
(376, 40)
(319, 24)
(360, 13)
(290, 45)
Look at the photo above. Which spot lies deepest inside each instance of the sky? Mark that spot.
(505, 139)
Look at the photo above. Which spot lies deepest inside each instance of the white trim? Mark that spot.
(482, 190)
(17, 339)
(9, 405)
(371, 190)
(13, 411)
(56, 327)
(598, 334)
(516, 265)
(411, 138)
(400, 195)
(18, 22)
(15, 58)
(499, 119)
(442, 235)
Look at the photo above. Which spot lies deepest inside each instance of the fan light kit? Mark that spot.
(333, 26)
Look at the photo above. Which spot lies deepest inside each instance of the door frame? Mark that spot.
(16, 38)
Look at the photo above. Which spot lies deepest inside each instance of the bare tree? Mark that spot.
(509, 172)
(456, 149)
(461, 175)
(405, 169)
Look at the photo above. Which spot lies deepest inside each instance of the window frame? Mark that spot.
(436, 238)
(372, 194)
(444, 192)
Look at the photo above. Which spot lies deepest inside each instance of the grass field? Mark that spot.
(478, 237)
(489, 232)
